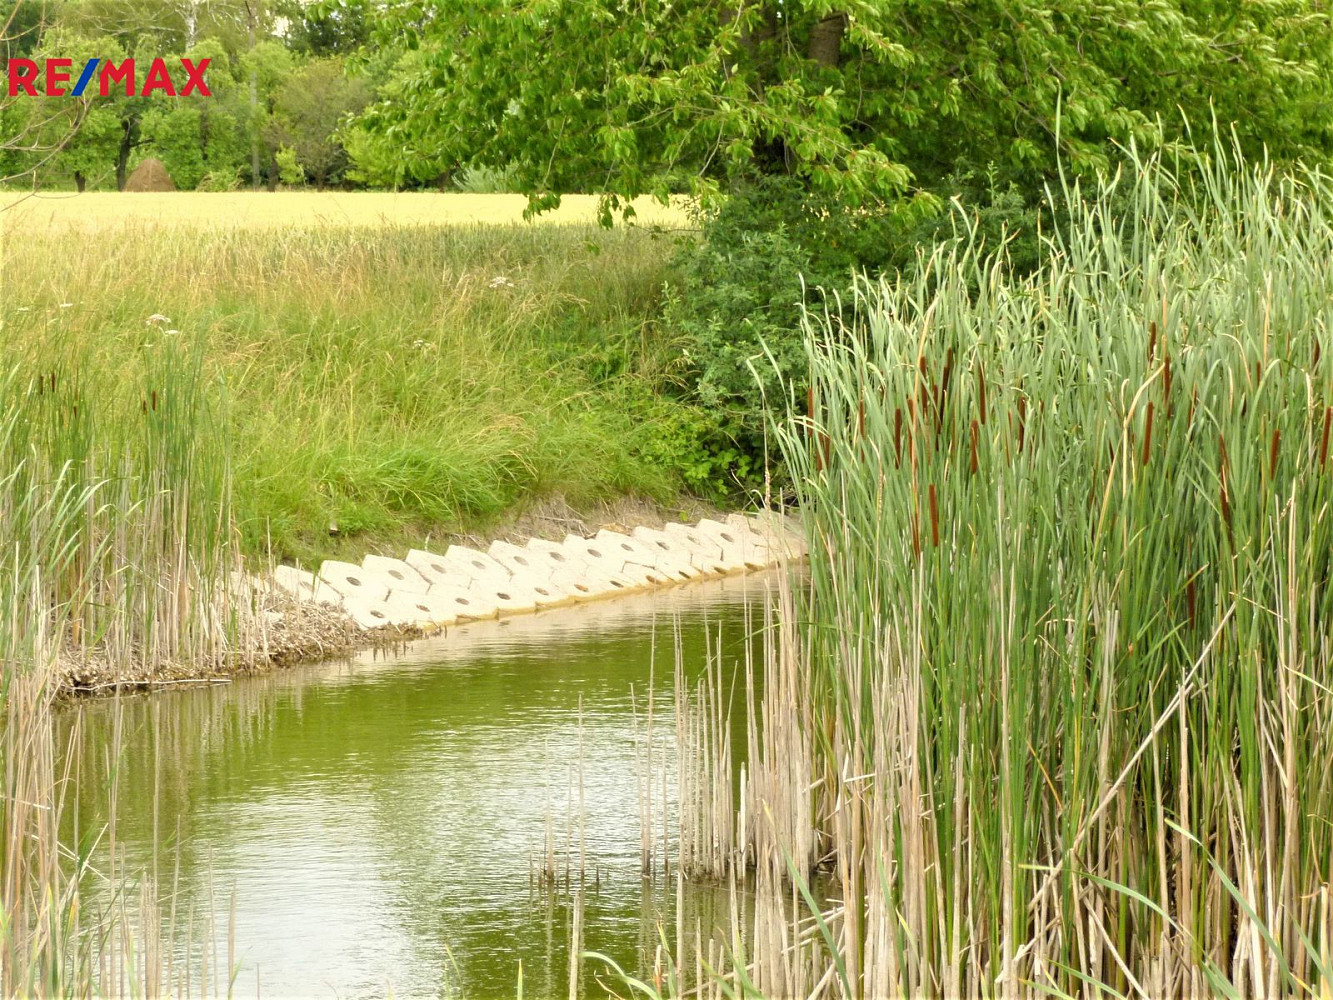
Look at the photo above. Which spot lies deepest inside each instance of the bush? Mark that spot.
(776, 248)
(487, 180)
(220, 180)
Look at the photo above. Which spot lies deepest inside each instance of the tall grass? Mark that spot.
(384, 381)
(1060, 715)
(116, 548)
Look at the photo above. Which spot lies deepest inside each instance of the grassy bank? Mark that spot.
(374, 384)
(1057, 713)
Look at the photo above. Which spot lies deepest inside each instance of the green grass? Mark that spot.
(389, 381)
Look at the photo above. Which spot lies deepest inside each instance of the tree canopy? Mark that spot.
(869, 98)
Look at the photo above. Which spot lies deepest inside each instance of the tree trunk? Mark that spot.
(826, 40)
(79, 181)
(129, 133)
(252, 9)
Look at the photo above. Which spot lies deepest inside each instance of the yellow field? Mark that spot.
(263, 209)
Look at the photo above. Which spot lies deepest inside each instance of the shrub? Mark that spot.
(219, 180)
(775, 248)
(482, 179)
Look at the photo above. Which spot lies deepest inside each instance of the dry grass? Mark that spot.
(266, 210)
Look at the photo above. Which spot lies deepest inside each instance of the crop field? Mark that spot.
(22, 211)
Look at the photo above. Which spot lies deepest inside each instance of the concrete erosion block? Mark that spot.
(351, 580)
(521, 561)
(551, 554)
(782, 531)
(302, 585)
(475, 564)
(554, 594)
(636, 552)
(701, 561)
(740, 543)
(369, 612)
(589, 580)
(405, 577)
(466, 604)
(509, 596)
(609, 563)
(566, 570)
(433, 609)
(553, 584)
(431, 566)
(704, 552)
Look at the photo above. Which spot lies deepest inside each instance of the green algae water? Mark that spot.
(380, 826)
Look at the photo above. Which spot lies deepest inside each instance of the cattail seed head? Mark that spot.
(1147, 434)
(934, 518)
(981, 392)
(976, 433)
(1323, 447)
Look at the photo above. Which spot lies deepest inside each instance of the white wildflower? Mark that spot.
(67, 305)
(22, 309)
(172, 333)
(500, 281)
(157, 318)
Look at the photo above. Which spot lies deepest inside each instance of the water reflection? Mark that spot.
(375, 823)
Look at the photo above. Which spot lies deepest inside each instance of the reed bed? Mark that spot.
(1055, 716)
(116, 553)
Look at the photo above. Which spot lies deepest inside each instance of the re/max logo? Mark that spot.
(24, 73)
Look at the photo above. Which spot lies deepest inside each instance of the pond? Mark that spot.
(380, 825)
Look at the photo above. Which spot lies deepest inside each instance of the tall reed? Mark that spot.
(116, 554)
(1059, 714)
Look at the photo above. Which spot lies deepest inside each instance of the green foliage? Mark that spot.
(308, 107)
(481, 179)
(175, 139)
(773, 250)
(219, 180)
(289, 168)
(868, 100)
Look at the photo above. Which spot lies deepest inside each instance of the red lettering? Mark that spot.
(195, 79)
(55, 77)
(122, 74)
(22, 76)
(158, 79)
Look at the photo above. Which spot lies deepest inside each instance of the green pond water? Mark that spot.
(373, 824)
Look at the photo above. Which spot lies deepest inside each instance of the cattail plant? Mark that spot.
(1077, 743)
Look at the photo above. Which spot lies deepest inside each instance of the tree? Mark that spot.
(308, 109)
(33, 131)
(870, 99)
(338, 30)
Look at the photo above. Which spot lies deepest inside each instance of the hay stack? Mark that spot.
(150, 175)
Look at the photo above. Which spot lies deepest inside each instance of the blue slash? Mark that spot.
(84, 77)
